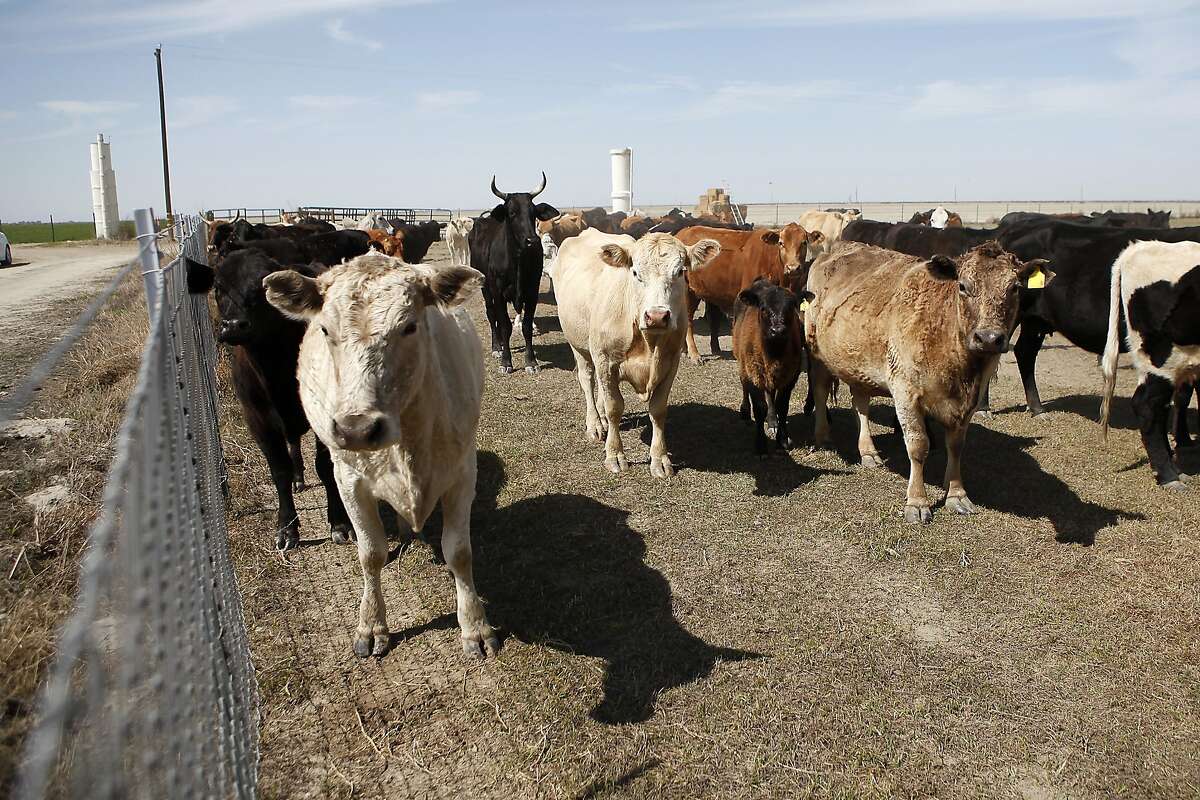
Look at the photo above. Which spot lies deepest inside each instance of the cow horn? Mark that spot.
(496, 191)
(539, 190)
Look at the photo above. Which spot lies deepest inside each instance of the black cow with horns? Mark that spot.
(506, 248)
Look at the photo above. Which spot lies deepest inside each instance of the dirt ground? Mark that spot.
(754, 627)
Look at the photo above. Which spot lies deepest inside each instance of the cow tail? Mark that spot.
(1112, 347)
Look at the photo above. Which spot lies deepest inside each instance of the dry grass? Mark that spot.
(753, 628)
(39, 555)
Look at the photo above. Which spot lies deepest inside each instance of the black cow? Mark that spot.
(418, 237)
(1183, 398)
(506, 248)
(336, 246)
(1076, 303)
(926, 242)
(265, 349)
(601, 220)
(868, 231)
(1110, 219)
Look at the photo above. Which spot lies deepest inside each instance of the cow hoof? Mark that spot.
(985, 414)
(299, 486)
(595, 433)
(362, 645)
(1175, 486)
(287, 539)
(961, 505)
(505, 369)
(497, 353)
(1036, 412)
(872, 460)
(533, 369)
(695, 359)
(661, 467)
(784, 442)
(480, 646)
(341, 533)
(914, 515)
(616, 464)
(772, 431)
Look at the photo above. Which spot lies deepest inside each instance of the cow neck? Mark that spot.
(274, 359)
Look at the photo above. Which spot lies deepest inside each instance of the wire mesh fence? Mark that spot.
(153, 693)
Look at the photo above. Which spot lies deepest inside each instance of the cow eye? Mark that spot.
(409, 329)
(325, 330)
(636, 275)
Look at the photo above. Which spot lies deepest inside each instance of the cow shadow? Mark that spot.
(1088, 407)
(711, 438)
(999, 473)
(15, 264)
(567, 572)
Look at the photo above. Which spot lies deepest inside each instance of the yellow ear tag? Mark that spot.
(803, 305)
(1037, 280)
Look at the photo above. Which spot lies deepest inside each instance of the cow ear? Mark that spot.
(500, 213)
(200, 277)
(296, 295)
(615, 256)
(748, 297)
(1031, 268)
(451, 286)
(702, 252)
(943, 268)
(770, 237)
(545, 211)
(815, 237)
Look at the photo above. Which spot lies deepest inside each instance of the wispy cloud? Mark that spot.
(763, 13)
(326, 102)
(741, 96)
(451, 98)
(86, 108)
(199, 110)
(337, 31)
(1042, 98)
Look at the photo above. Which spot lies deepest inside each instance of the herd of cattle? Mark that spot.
(346, 332)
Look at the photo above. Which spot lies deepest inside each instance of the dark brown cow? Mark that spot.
(768, 341)
(929, 333)
(779, 256)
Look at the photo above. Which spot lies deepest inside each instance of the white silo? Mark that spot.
(104, 190)
(622, 179)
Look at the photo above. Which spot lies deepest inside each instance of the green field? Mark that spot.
(30, 232)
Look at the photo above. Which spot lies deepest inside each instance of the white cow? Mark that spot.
(375, 222)
(830, 223)
(456, 239)
(1156, 289)
(622, 304)
(939, 217)
(391, 377)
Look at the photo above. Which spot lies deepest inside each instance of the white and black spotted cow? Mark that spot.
(1157, 286)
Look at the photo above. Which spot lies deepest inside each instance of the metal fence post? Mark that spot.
(148, 255)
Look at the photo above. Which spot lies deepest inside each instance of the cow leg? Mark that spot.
(744, 411)
(783, 399)
(297, 457)
(956, 494)
(660, 462)
(273, 443)
(758, 402)
(912, 423)
(478, 638)
(527, 312)
(693, 302)
(614, 407)
(371, 636)
(1029, 343)
(716, 320)
(489, 306)
(861, 399)
(585, 371)
(504, 332)
(819, 381)
(1183, 398)
(1150, 402)
(341, 531)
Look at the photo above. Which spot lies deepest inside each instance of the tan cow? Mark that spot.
(391, 377)
(562, 227)
(929, 333)
(622, 304)
(830, 223)
(457, 230)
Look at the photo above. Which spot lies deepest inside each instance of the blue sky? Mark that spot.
(370, 102)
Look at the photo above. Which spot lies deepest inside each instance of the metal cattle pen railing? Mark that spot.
(346, 213)
(153, 693)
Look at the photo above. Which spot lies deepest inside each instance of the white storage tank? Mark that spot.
(104, 190)
(622, 179)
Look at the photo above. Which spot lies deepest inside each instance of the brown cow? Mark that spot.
(780, 256)
(386, 243)
(929, 333)
(768, 341)
(562, 227)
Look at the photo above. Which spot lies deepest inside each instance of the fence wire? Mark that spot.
(153, 694)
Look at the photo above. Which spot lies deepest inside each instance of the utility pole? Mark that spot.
(162, 118)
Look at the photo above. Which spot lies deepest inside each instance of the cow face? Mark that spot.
(778, 309)
(520, 215)
(989, 284)
(797, 247)
(657, 264)
(237, 284)
(368, 317)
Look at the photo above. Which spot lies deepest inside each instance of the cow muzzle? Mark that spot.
(359, 431)
(233, 331)
(656, 319)
(989, 341)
